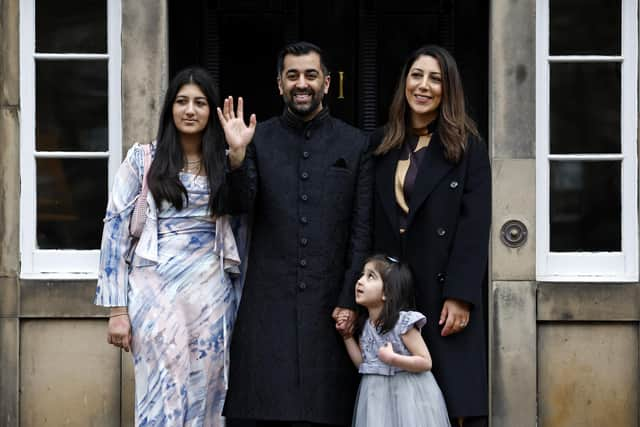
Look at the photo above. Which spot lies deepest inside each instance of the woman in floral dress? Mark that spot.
(171, 295)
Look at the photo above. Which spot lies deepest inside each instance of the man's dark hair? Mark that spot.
(299, 49)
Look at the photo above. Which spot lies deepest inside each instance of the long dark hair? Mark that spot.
(453, 126)
(163, 179)
(397, 288)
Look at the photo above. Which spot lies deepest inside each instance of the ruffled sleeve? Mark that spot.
(225, 245)
(113, 270)
(408, 320)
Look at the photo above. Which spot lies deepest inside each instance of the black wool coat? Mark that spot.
(446, 245)
(310, 186)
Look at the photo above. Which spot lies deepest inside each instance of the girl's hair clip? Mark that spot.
(393, 260)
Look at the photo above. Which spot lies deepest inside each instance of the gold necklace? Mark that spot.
(193, 162)
(192, 166)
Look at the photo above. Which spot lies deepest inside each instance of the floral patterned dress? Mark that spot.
(180, 298)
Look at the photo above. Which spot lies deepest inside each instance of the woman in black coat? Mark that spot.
(432, 208)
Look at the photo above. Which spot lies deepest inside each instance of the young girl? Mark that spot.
(397, 388)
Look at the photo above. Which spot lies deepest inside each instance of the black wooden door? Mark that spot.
(365, 43)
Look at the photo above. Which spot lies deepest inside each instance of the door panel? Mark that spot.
(333, 27)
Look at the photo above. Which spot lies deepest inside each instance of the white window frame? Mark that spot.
(589, 266)
(48, 263)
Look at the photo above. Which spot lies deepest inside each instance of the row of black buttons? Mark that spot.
(303, 219)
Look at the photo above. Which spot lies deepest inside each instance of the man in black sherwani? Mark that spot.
(307, 177)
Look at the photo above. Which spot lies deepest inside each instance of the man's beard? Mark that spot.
(305, 109)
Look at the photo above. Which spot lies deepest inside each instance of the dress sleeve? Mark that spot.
(113, 270)
(408, 320)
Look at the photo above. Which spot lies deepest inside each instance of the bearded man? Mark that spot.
(308, 178)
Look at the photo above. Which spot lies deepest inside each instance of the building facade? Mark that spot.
(553, 84)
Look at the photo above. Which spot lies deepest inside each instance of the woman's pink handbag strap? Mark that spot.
(139, 215)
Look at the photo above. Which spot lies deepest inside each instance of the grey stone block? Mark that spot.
(513, 354)
(512, 82)
(514, 198)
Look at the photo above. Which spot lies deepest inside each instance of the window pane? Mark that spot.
(72, 197)
(71, 106)
(71, 26)
(584, 27)
(585, 207)
(585, 108)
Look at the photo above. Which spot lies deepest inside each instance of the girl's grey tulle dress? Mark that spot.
(389, 396)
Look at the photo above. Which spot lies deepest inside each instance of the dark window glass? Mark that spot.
(585, 27)
(72, 196)
(71, 26)
(236, 69)
(585, 108)
(71, 106)
(585, 207)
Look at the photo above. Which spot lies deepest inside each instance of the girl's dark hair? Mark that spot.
(397, 288)
(163, 179)
(453, 126)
